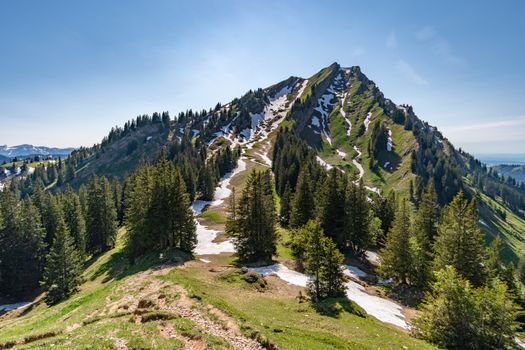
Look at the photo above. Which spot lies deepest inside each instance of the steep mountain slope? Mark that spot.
(343, 116)
(167, 301)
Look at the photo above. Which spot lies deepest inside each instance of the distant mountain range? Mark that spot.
(30, 151)
(501, 158)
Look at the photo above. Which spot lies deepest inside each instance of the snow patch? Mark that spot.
(15, 306)
(372, 257)
(483, 223)
(382, 309)
(315, 122)
(206, 244)
(323, 163)
(284, 273)
(367, 120)
(341, 153)
(355, 272)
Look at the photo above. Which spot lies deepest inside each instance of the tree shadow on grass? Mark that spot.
(334, 307)
(118, 266)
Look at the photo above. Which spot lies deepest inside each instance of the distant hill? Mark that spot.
(515, 171)
(30, 151)
(501, 158)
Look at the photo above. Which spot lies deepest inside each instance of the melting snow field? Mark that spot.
(382, 309)
(284, 273)
(206, 236)
(389, 143)
(222, 191)
(205, 244)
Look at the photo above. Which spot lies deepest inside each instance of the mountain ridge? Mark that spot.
(28, 150)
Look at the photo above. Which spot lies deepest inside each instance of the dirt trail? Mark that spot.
(159, 295)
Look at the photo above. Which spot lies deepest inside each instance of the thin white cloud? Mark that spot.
(410, 73)
(438, 44)
(499, 136)
(517, 121)
(391, 40)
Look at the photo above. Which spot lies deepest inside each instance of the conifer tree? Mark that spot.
(303, 201)
(101, 218)
(286, 201)
(396, 254)
(424, 230)
(455, 315)
(357, 219)
(62, 272)
(332, 207)
(459, 242)
(74, 219)
(252, 225)
(323, 261)
(22, 246)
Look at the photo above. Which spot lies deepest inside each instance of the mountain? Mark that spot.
(503, 158)
(337, 117)
(517, 172)
(344, 117)
(25, 151)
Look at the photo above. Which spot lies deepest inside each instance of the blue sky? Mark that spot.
(69, 71)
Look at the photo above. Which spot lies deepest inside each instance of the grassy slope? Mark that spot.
(86, 320)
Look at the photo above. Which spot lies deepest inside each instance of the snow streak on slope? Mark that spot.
(367, 120)
(206, 236)
(389, 142)
(323, 163)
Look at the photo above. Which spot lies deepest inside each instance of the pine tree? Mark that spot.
(459, 242)
(332, 207)
(74, 219)
(396, 254)
(22, 246)
(252, 225)
(303, 201)
(457, 316)
(357, 219)
(138, 201)
(62, 272)
(286, 201)
(323, 261)
(424, 230)
(101, 218)
(158, 213)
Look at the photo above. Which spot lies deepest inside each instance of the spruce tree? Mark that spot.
(303, 201)
(323, 261)
(101, 218)
(252, 225)
(460, 242)
(357, 219)
(455, 315)
(285, 209)
(332, 207)
(62, 272)
(74, 219)
(396, 259)
(424, 230)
